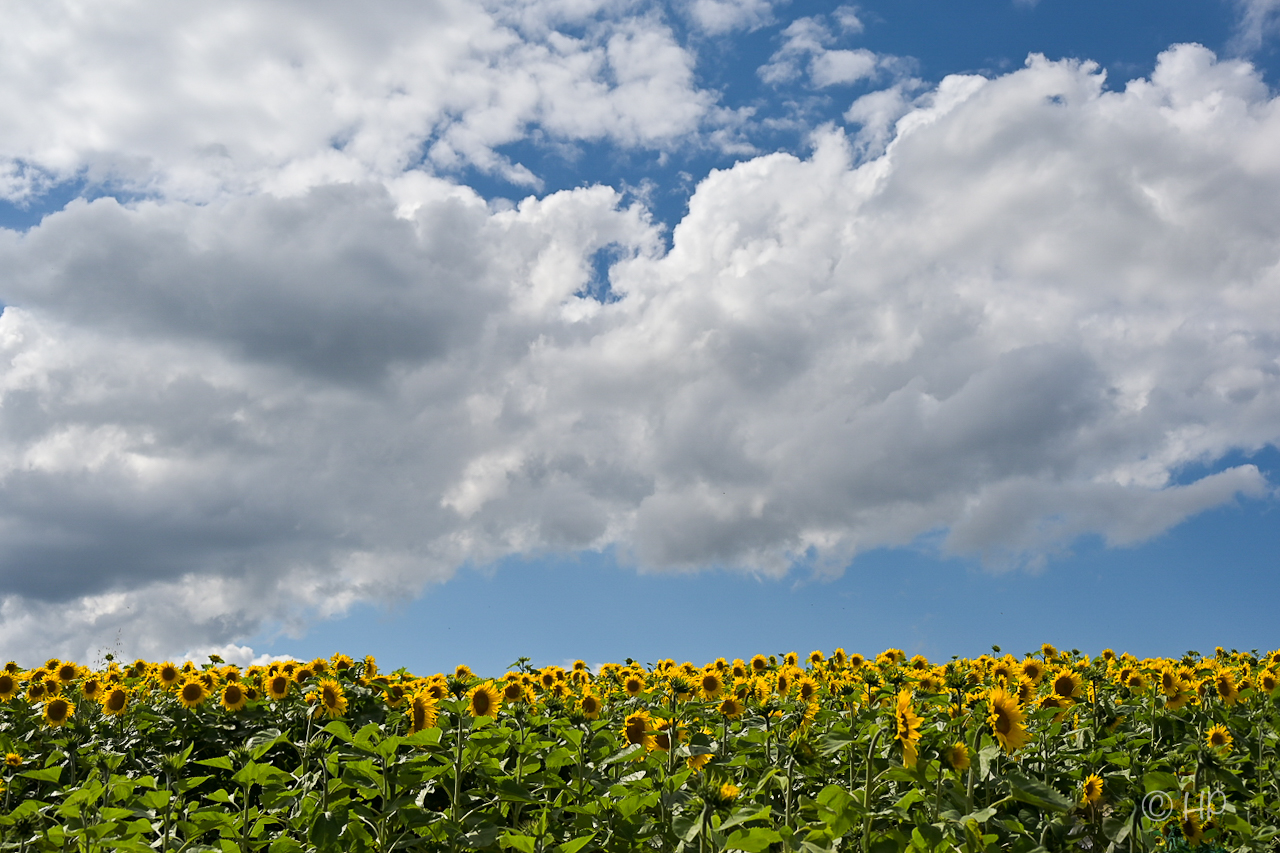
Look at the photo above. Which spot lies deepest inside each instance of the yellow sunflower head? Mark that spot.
(710, 684)
(637, 729)
(759, 663)
(66, 672)
(1066, 684)
(590, 705)
(193, 693)
(234, 696)
(332, 701)
(276, 686)
(168, 674)
(1091, 790)
(13, 761)
(957, 756)
(8, 686)
(484, 700)
(731, 707)
(633, 685)
(422, 712)
(58, 712)
(1218, 738)
(115, 700)
(1006, 720)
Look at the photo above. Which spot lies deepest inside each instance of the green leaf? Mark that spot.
(1158, 780)
(262, 742)
(511, 790)
(1036, 793)
(222, 762)
(622, 755)
(745, 815)
(338, 729)
(753, 840)
(576, 844)
(325, 829)
(46, 774)
(523, 843)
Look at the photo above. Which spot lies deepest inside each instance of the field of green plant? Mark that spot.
(1047, 751)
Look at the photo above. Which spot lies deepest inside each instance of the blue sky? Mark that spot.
(473, 331)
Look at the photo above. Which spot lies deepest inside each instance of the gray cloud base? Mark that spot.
(1012, 328)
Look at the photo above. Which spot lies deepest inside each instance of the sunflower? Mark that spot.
(729, 792)
(633, 685)
(1048, 650)
(637, 729)
(808, 688)
(277, 686)
(422, 712)
(907, 728)
(91, 689)
(51, 664)
(234, 697)
(697, 762)
(1224, 682)
(463, 672)
(66, 672)
(731, 707)
(1033, 669)
(759, 663)
(739, 669)
(1006, 720)
(957, 756)
(1190, 827)
(1136, 681)
(484, 700)
(13, 761)
(513, 691)
(57, 712)
(1267, 680)
(790, 659)
(590, 705)
(341, 663)
(303, 674)
(1218, 738)
(8, 686)
(168, 674)
(783, 683)
(710, 685)
(193, 693)
(35, 691)
(1066, 685)
(1091, 791)
(333, 702)
(114, 701)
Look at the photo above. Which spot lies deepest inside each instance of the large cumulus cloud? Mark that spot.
(1017, 325)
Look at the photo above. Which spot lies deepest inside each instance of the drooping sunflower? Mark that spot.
(637, 729)
(193, 693)
(957, 756)
(422, 712)
(114, 701)
(1006, 720)
(277, 686)
(234, 697)
(1091, 790)
(907, 728)
(8, 686)
(1218, 738)
(333, 701)
(57, 712)
(484, 700)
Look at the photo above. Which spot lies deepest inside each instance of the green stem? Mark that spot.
(866, 792)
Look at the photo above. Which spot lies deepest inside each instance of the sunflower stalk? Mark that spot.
(866, 791)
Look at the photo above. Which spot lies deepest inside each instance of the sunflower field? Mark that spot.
(1049, 751)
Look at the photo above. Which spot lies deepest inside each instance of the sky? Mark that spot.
(460, 331)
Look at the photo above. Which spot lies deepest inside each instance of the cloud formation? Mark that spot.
(1017, 325)
(200, 99)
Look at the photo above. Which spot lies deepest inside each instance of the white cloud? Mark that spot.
(1017, 325)
(197, 99)
(1258, 19)
(805, 52)
(718, 17)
